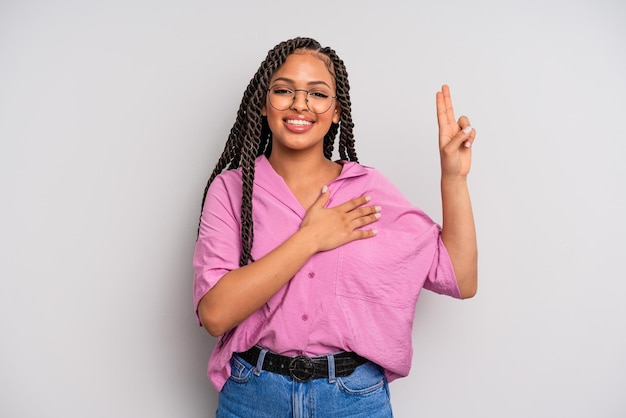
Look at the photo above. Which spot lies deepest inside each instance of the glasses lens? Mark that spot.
(281, 97)
(317, 100)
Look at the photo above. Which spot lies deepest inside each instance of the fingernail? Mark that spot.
(377, 215)
(378, 208)
(374, 231)
(324, 189)
(467, 144)
(467, 129)
(367, 198)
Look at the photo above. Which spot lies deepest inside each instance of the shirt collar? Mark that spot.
(266, 178)
(351, 169)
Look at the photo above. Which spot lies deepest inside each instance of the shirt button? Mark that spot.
(305, 317)
(311, 275)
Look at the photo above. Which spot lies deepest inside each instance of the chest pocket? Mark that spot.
(381, 269)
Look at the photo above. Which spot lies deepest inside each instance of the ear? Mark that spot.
(337, 114)
(263, 111)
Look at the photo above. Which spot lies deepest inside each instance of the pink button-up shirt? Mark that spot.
(359, 297)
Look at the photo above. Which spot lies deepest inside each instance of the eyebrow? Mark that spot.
(310, 83)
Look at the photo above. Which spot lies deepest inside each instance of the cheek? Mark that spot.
(272, 122)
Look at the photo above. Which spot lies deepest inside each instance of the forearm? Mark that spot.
(459, 233)
(241, 292)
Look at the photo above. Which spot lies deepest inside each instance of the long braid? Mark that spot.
(250, 135)
(248, 156)
(232, 150)
(347, 150)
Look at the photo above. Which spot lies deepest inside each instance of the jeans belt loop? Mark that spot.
(259, 363)
(331, 368)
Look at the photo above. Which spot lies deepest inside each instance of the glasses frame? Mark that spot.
(293, 100)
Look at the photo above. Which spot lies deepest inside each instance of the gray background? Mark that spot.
(112, 115)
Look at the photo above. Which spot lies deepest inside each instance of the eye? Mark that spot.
(282, 91)
(319, 94)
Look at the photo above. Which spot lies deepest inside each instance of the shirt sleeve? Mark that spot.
(218, 246)
(441, 278)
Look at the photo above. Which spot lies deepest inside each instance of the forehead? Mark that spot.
(305, 66)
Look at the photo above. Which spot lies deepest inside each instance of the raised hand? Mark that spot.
(455, 137)
(336, 226)
(458, 232)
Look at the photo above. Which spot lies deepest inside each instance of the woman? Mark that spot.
(309, 269)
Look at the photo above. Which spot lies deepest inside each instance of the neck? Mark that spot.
(299, 166)
(305, 174)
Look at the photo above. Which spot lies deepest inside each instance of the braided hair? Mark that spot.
(250, 135)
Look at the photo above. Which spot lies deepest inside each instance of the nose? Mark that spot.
(300, 100)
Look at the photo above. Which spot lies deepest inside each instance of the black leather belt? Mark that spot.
(303, 368)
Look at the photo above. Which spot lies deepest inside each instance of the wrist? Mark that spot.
(453, 179)
(305, 239)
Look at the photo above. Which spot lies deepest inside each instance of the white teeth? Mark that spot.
(298, 122)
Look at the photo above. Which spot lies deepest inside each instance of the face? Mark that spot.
(298, 128)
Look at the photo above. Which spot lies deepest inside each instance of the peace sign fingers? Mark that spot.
(448, 126)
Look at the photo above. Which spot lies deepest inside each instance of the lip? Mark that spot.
(303, 123)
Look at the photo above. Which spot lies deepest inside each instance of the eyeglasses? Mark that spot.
(318, 100)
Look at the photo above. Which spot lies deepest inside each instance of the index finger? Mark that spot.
(445, 111)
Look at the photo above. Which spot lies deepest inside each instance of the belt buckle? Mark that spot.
(301, 368)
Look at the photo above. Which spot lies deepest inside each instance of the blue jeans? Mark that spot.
(255, 393)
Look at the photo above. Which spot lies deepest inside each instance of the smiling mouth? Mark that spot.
(298, 122)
